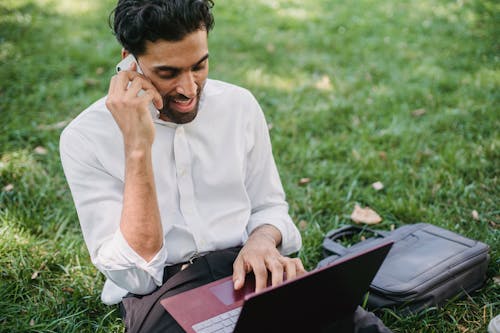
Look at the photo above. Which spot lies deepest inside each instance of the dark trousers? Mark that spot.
(145, 314)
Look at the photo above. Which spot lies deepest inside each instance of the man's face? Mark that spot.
(179, 71)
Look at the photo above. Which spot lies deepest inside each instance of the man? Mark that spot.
(172, 173)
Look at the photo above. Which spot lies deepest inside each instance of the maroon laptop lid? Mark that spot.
(311, 301)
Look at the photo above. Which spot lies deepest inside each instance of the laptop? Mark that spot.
(312, 302)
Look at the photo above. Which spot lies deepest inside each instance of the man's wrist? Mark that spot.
(137, 154)
(137, 148)
(268, 232)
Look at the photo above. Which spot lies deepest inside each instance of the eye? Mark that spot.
(198, 68)
(168, 75)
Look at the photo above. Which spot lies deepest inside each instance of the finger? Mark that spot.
(123, 79)
(239, 273)
(260, 272)
(120, 81)
(134, 87)
(275, 266)
(132, 66)
(299, 266)
(112, 84)
(155, 96)
(290, 269)
(150, 92)
(151, 96)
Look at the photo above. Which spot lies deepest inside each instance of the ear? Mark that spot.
(125, 53)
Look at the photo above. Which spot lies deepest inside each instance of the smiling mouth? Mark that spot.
(183, 104)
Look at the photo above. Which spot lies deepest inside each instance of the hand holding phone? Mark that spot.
(125, 64)
(129, 99)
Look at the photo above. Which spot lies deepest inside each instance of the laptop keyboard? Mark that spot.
(222, 323)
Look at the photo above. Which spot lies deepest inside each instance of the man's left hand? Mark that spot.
(260, 256)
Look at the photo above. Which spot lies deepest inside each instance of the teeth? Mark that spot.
(183, 101)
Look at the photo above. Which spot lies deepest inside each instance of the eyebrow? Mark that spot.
(175, 69)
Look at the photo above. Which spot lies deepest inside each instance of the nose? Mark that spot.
(187, 85)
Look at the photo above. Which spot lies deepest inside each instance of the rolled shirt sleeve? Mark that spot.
(98, 199)
(122, 265)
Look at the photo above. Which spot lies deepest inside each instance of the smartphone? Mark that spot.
(125, 63)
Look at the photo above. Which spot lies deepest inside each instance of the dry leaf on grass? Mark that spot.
(365, 215)
(37, 272)
(302, 224)
(496, 280)
(377, 186)
(40, 150)
(418, 112)
(68, 290)
(8, 188)
(324, 83)
(304, 181)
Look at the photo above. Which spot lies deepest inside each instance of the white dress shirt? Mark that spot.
(215, 177)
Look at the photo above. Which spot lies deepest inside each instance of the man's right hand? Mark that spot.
(129, 107)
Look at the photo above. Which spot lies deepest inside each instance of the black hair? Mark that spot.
(136, 21)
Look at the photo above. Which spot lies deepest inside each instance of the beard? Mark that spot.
(170, 114)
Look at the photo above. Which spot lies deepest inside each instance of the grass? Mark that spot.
(402, 92)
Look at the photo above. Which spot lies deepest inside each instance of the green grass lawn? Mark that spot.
(401, 92)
